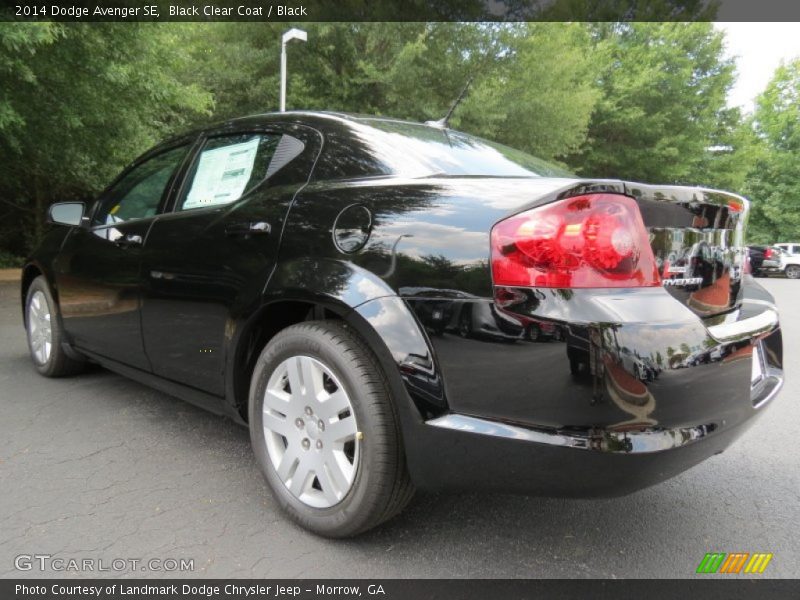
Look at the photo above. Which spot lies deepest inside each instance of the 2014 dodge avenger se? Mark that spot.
(391, 306)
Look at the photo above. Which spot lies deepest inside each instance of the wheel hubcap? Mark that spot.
(40, 333)
(311, 432)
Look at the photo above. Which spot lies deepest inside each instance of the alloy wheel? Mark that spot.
(40, 332)
(311, 431)
(793, 272)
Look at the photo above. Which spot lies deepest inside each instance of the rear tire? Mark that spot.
(334, 491)
(45, 333)
(793, 271)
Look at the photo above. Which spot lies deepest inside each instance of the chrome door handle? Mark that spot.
(247, 229)
(162, 275)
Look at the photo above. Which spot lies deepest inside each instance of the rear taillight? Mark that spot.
(591, 241)
(768, 253)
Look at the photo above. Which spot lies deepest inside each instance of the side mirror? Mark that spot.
(66, 213)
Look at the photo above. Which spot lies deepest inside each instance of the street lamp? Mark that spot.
(292, 34)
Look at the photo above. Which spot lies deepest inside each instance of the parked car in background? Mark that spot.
(782, 259)
(308, 274)
(537, 330)
(757, 255)
(480, 320)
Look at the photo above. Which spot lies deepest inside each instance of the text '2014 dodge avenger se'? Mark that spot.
(391, 306)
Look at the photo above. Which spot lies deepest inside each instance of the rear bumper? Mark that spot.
(619, 405)
(474, 454)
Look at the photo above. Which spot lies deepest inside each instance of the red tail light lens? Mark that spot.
(591, 241)
(768, 253)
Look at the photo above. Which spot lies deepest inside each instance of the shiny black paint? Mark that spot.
(405, 262)
(100, 292)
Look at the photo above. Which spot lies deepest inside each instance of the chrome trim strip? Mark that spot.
(497, 429)
(745, 328)
(773, 382)
(598, 440)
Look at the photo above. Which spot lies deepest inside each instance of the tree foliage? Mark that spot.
(81, 102)
(530, 84)
(774, 183)
(540, 97)
(663, 97)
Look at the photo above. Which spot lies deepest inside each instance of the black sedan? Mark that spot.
(340, 285)
(758, 254)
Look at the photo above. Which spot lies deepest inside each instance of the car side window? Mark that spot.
(138, 194)
(230, 166)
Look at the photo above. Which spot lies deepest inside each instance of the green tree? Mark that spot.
(531, 84)
(19, 42)
(664, 87)
(733, 150)
(774, 183)
(412, 70)
(83, 100)
(539, 94)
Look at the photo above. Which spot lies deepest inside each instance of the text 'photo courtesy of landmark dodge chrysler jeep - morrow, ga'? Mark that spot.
(390, 306)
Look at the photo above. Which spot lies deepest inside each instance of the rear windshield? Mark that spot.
(420, 150)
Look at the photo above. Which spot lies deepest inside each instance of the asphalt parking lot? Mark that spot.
(100, 467)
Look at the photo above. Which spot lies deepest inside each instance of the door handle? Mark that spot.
(162, 275)
(248, 229)
(128, 240)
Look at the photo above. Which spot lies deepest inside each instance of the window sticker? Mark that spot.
(222, 174)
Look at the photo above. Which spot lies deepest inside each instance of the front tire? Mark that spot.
(45, 333)
(324, 430)
(793, 271)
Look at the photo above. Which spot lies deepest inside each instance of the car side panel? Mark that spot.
(204, 271)
(196, 282)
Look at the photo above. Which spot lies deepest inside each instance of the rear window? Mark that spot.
(384, 147)
(447, 152)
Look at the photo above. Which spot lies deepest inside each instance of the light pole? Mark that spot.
(292, 34)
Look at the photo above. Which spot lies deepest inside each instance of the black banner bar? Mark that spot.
(731, 588)
(399, 10)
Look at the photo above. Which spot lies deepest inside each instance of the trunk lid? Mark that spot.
(697, 237)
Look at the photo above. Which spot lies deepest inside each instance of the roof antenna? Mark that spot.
(442, 123)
